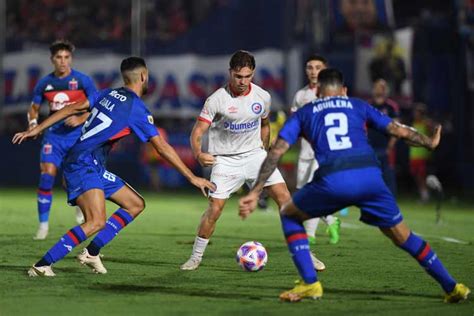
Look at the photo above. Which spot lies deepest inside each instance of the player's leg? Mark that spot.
(311, 225)
(92, 203)
(45, 198)
(418, 171)
(404, 238)
(333, 226)
(292, 224)
(278, 191)
(79, 215)
(131, 205)
(206, 228)
(228, 176)
(304, 174)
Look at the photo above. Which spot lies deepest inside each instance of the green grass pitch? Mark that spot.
(365, 273)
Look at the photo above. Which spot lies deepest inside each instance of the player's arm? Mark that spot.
(71, 109)
(33, 114)
(76, 120)
(413, 137)
(169, 154)
(248, 203)
(392, 141)
(199, 129)
(270, 163)
(265, 132)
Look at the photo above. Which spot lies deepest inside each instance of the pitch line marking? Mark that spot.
(454, 240)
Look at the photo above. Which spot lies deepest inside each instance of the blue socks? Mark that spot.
(45, 196)
(64, 246)
(298, 245)
(114, 225)
(428, 259)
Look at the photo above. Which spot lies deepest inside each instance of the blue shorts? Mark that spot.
(81, 177)
(364, 188)
(54, 147)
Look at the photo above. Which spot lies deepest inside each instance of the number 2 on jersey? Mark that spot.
(338, 128)
(105, 122)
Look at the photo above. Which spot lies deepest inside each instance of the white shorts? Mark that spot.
(229, 173)
(306, 169)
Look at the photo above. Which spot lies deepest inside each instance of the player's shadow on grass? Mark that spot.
(205, 293)
(8, 267)
(141, 262)
(353, 294)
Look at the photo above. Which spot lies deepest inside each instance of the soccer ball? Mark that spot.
(252, 256)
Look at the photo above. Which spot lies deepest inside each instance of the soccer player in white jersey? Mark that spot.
(236, 118)
(307, 164)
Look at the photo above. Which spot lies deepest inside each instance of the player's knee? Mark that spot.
(95, 224)
(213, 213)
(283, 199)
(137, 206)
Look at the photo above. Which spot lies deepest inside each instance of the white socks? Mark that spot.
(44, 225)
(329, 219)
(199, 247)
(311, 225)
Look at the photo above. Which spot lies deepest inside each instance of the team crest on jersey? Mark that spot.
(257, 108)
(48, 88)
(232, 109)
(73, 84)
(150, 119)
(47, 149)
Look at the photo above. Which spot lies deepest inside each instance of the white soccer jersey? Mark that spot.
(303, 96)
(235, 120)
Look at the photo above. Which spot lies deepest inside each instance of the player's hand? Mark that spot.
(203, 184)
(435, 139)
(20, 137)
(73, 121)
(206, 160)
(247, 204)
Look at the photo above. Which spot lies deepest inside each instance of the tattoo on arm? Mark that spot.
(265, 133)
(409, 133)
(270, 163)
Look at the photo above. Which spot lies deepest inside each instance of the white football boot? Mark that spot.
(192, 264)
(317, 264)
(42, 231)
(44, 271)
(93, 262)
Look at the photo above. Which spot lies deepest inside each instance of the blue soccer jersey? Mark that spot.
(349, 173)
(59, 92)
(336, 129)
(115, 113)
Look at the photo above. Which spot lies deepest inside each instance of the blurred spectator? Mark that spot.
(389, 65)
(419, 156)
(383, 144)
(362, 15)
(83, 22)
